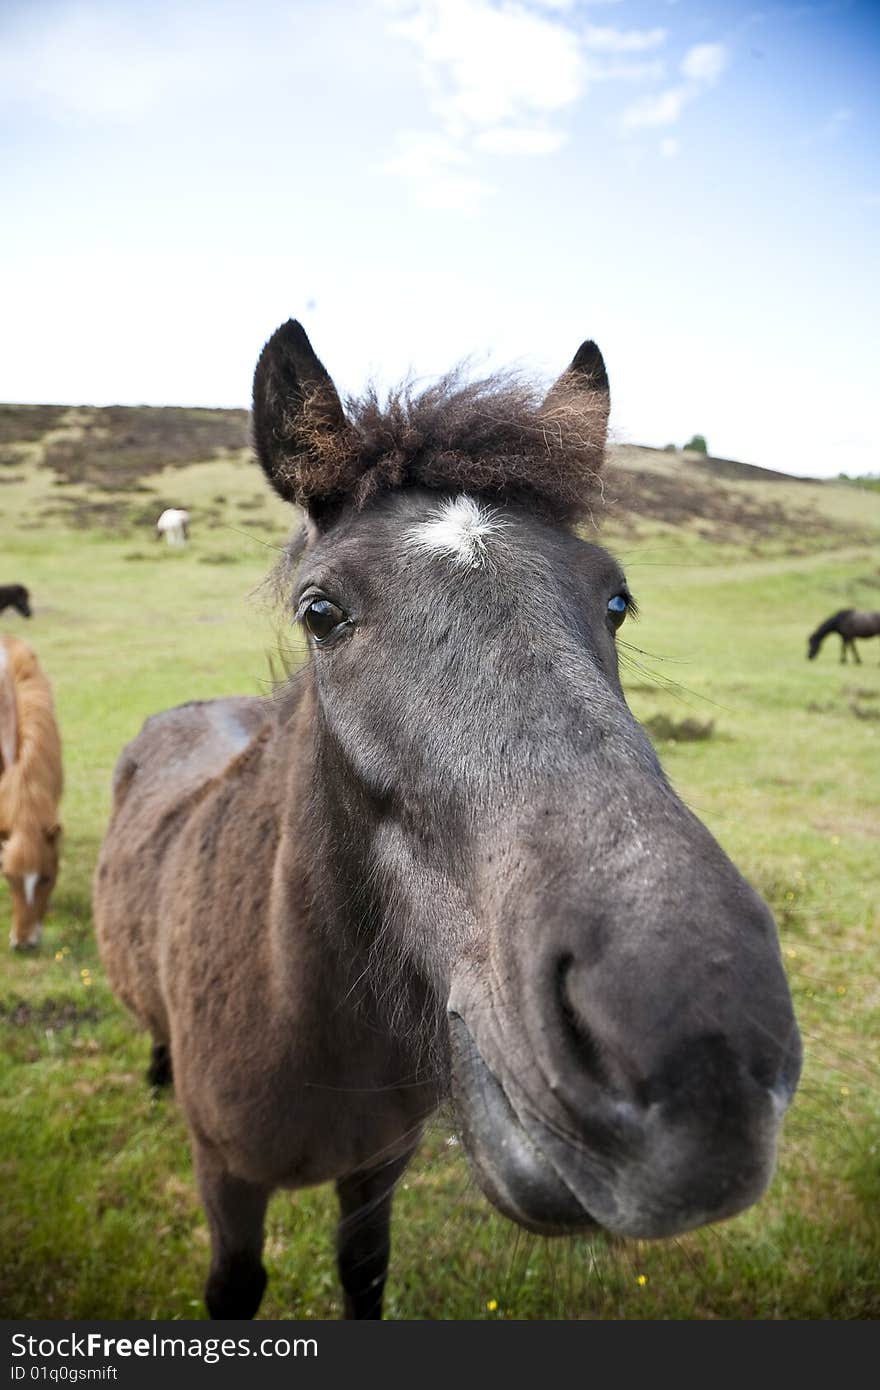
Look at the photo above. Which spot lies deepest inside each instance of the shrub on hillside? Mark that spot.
(698, 444)
(869, 480)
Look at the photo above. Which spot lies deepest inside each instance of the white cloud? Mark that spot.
(609, 40)
(438, 170)
(663, 109)
(701, 66)
(570, 4)
(669, 147)
(500, 76)
(625, 71)
(705, 62)
(509, 140)
(495, 72)
(488, 64)
(418, 151)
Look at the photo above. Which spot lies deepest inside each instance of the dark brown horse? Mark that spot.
(849, 623)
(15, 596)
(444, 862)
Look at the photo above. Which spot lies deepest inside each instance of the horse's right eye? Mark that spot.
(618, 607)
(323, 618)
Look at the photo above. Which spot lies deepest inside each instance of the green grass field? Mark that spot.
(99, 1215)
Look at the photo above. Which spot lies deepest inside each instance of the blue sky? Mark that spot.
(694, 185)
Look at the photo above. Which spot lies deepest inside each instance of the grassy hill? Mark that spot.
(730, 505)
(118, 466)
(732, 568)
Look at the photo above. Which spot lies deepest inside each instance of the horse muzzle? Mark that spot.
(513, 1172)
(648, 1165)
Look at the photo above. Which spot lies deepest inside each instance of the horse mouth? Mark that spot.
(510, 1168)
(631, 1173)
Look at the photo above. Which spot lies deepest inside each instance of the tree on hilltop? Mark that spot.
(698, 444)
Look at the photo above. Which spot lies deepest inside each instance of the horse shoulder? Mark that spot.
(177, 761)
(174, 763)
(182, 749)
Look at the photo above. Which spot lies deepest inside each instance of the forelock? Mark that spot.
(499, 438)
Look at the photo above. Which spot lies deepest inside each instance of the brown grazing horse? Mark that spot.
(444, 861)
(848, 623)
(30, 788)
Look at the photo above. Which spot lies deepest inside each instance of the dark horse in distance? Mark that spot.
(444, 861)
(15, 596)
(849, 623)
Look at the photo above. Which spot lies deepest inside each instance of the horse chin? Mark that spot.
(510, 1168)
(637, 1176)
(27, 937)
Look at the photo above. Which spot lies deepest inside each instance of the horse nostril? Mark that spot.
(779, 1072)
(579, 1037)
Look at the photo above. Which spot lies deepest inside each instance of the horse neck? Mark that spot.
(317, 869)
(830, 625)
(327, 871)
(8, 713)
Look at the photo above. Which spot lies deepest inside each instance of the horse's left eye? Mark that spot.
(618, 607)
(322, 618)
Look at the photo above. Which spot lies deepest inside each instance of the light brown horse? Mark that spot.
(30, 788)
(445, 861)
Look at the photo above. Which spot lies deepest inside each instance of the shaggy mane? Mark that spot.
(498, 436)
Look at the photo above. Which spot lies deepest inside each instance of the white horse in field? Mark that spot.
(173, 524)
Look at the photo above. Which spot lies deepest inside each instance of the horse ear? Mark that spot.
(588, 365)
(294, 402)
(585, 379)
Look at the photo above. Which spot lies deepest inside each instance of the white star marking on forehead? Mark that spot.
(460, 527)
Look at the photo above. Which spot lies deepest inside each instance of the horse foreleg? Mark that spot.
(236, 1211)
(363, 1236)
(855, 652)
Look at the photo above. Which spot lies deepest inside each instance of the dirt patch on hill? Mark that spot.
(22, 424)
(113, 447)
(85, 514)
(697, 498)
